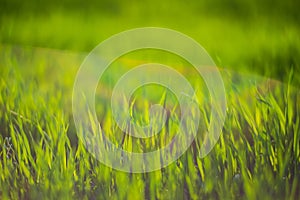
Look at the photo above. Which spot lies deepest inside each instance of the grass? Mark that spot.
(257, 155)
(256, 47)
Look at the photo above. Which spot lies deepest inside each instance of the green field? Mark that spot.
(256, 46)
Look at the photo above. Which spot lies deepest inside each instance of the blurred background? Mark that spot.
(261, 37)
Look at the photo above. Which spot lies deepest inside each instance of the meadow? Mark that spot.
(256, 47)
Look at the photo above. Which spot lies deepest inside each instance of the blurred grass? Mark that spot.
(254, 36)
